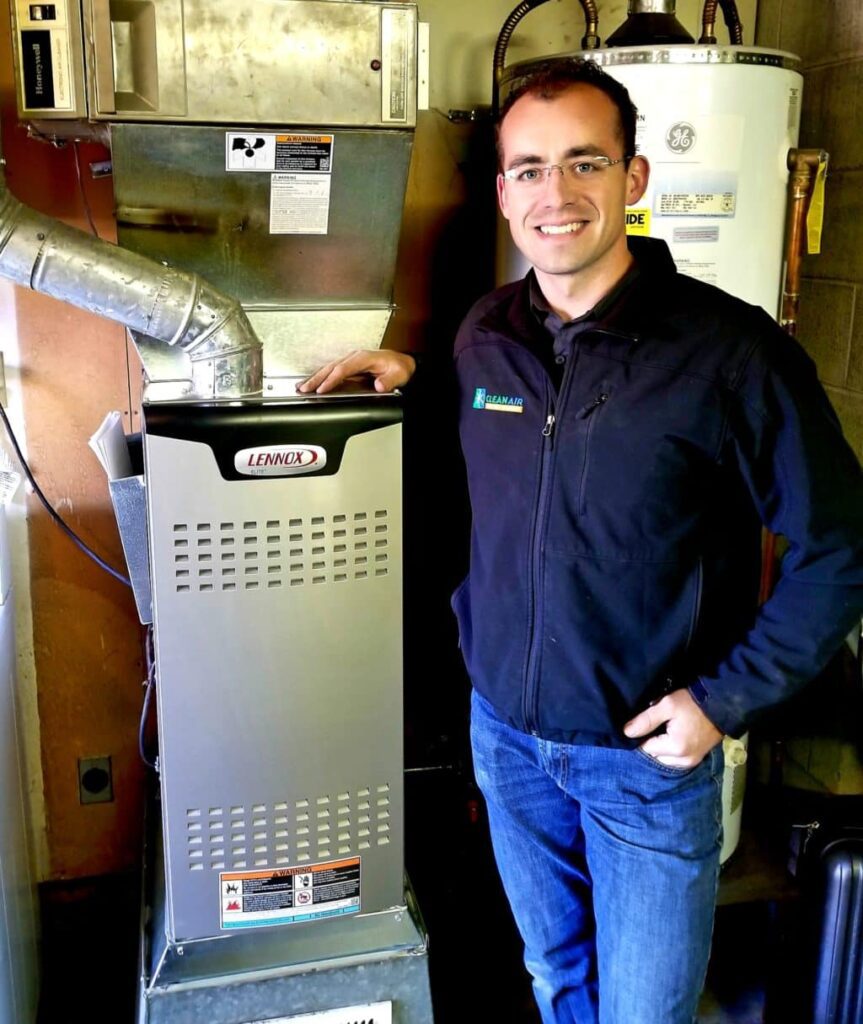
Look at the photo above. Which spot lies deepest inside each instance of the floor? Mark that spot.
(90, 942)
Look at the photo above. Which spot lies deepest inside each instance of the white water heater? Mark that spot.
(716, 124)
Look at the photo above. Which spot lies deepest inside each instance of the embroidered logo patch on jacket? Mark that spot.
(497, 403)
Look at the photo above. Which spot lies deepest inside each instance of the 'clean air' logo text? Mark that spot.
(497, 403)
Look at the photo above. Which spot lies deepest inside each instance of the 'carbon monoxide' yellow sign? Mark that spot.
(638, 221)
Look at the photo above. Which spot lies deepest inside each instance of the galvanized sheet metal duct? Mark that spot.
(169, 305)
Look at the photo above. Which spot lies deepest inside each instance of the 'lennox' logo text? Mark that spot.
(280, 460)
(299, 457)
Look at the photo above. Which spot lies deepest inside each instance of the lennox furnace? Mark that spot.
(260, 151)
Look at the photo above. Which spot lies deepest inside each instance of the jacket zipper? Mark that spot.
(530, 692)
(535, 574)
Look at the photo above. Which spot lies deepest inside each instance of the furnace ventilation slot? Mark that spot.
(307, 829)
(268, 554)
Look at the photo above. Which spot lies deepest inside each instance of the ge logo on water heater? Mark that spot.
(680, 137)
(280, 460)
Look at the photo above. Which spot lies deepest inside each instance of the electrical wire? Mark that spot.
(82, 190)
(37, 490)
(150, 684)
(859, 657)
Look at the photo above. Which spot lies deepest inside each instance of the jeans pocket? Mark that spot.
(666, 769)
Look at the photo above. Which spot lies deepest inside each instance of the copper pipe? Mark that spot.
(732, 21)
(708, 22)
(803, 165)
(590, 40)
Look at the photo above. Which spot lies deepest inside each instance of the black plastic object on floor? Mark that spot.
(839, 967)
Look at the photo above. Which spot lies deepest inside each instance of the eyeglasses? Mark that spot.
(579, 169)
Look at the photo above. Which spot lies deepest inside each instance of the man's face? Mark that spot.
(567, 225)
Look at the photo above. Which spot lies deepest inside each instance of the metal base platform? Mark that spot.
(285, 972)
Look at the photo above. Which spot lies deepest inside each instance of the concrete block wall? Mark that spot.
(829, 38)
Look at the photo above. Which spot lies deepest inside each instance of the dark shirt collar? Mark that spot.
(549, 319)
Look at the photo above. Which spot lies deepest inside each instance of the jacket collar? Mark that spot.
(514, 318)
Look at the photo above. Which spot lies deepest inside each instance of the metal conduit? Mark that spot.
(590, 40)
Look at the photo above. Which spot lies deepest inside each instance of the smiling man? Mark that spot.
(626, 431)
(567, 217)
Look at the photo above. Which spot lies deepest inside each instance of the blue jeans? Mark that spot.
(610, 862)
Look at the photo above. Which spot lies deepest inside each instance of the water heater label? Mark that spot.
(698, 233)
(280, 460)
(696, 204)
(695, 194)
(256, 899)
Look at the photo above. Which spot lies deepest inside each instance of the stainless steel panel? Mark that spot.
(19, 959)
(129, 498)
(136, 62)
(310, 62)
(177, 203)
(341, 985)
(299, 341)
(273, 691)
(311, 297)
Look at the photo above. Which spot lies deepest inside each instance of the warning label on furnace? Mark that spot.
(367, 1013)
(299, 204)
(255, 899)
(300, 168)
(279, 151)
(312, 153)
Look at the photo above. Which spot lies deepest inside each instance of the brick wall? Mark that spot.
(829, 38)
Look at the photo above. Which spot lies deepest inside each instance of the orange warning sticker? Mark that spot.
(306, 892)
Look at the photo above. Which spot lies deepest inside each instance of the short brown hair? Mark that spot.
(550, 78)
